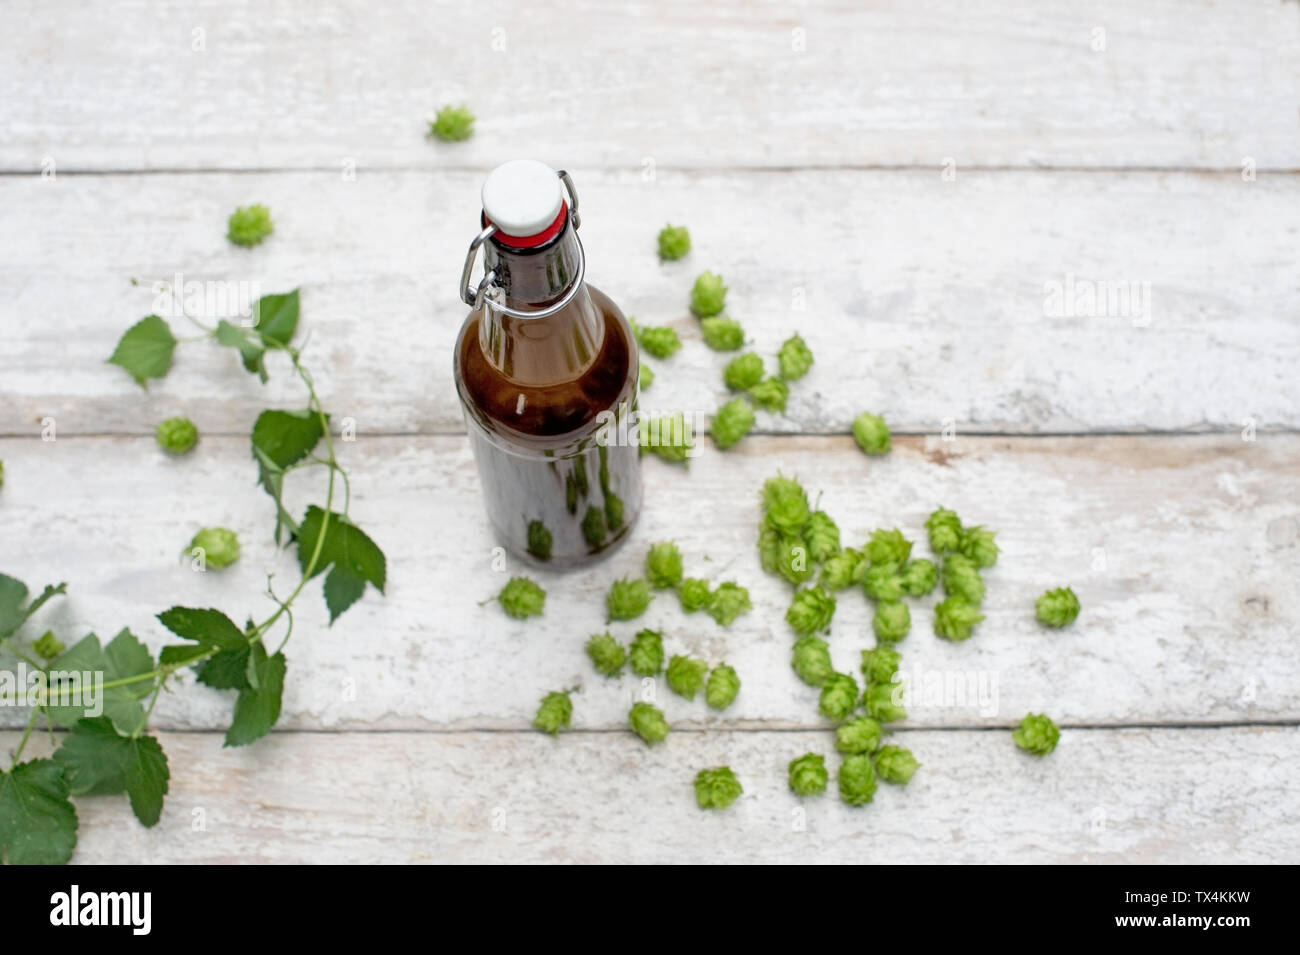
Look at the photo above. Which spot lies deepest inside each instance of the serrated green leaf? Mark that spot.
(209, 628)
(281, 439)
(180, 655)
(354, 557)
(124, 657)
(97, 759)
(251, 350)
(145, 350)
(12, 594)
(38, 824)
(276, 316)
(228, 670)
(258, 707)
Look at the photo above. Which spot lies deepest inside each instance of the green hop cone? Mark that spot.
(743, 372)
(792, 560)
(794, 358)
(554, 713)
(539, 540)
(919, 577)
(48, 646)
(811, 660)
(593, 526)
(785, 506)
(666, 436)
(888, 547)
(693, 592)
(218, 546)
(892, 621)
(857, 780)
(663, 565)
(822, 536)
(880, 664)
(648, 722)
(647, 376)
(896, 765)
(961, 578)
(723, 686)
(453, 124)
(674, 242)
(722, 333)
(871, 433)
(627, 599)
(716, 788)
(1037, 734)
(944, 528)
(883, 582)
(728, 602)
(708, 295)
(521, 598)
(955, 619)
(884, 702)
(977, 544)
(808, 776)
(810, 611)
(686, 675)
(732, 422)
(861, 735)
(839, 697)
(770, 394)
(647, 653)
(249, 225)
(607, 654)
(660, 341)
(613, 510)
(177, 435)
(843, 569)
(1057, 608)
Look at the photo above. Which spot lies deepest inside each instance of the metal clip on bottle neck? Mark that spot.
(487, 291)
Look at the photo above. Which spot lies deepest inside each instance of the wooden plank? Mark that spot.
(251, 85)
(929, 301)
(1184, 552)
(1136, 795)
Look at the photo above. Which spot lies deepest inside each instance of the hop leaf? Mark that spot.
(607, 654)
(871, 433)
(732, 422)
(539, 540)
(674, 242)
(353, 559)
(743, 372)
(808, 775)
(38, 824)
(1057, 608)
(843, 569)
(554, 712)
(627, 599)
(686, 675)
(145, 349)
(693, 592)
(716, 788)
(961, 578)
(896, 765)
(97, 759)
(722, 688)
(785, 506)
(884, 702)
(521, 598)
(888, 547)
(453, 124)
(218, 545)
(811, 660)
(794, 357)
(722, 333)
(880, 664)
(659, 341)
(883, 582)
(708, 295)
(1037, 734)
(770, 394)
(176, 435)
(648, 722)
(647, 653)
(892, 621)
(944, 528)
(839, 697)
(728, 602)
(857, 780)
(810, 611)
(919, 577)
(647, 376)
(822, 536)
(861, 735)
(954, 618)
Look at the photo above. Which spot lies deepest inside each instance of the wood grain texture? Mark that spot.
(1184, 552)
(1105, 796)
(1013, 83)
(922, 299)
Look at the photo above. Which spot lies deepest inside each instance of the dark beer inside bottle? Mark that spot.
(539, 396)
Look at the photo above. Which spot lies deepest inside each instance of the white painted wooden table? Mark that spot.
(1152, 463)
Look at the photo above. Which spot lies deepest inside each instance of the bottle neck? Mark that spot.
(552, 349)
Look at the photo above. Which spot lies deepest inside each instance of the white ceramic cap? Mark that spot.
(522, 197)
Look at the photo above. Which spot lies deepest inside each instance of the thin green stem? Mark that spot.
(149, 712)
(22, 743)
